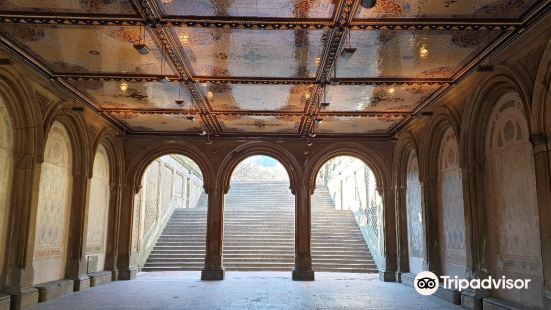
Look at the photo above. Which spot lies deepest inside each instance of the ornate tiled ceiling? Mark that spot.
(253, 68)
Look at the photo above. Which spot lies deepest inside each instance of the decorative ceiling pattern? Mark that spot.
(253, 68)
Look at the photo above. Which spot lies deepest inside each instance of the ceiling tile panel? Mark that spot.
(247, 8)
(86, 49)
(138, 95)
(357, 124)
(252, 52)
(258, 124)
(158, 122)
(256, 97)
(421, 53)
(487, 9)
(391, 98)
(69, 6)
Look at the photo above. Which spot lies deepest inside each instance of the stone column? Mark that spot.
(303, 236)
(125, 261)
(76, 261)
(388, 273)
(401, 232)
(115, 195)
(542, 165)
(20, 273)
(430, 223)
(215, 233)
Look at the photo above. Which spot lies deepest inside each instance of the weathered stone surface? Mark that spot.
(54, 289)
(5, 301)
(100, 278)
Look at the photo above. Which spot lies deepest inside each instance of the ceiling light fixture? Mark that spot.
(334, 81)
(349, 51)
(140, 46)
(324, 104)
(179, 101)
(366, 4)
(423, 52)
(318, 60)
(163, 78)
(210, 95)
(123, 86)
(203, 133)
(391, 90)
(318, 120)
(184, 38)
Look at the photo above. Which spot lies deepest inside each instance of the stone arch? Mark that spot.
(135, 170)
(541, 110)
(259, 148)
(407, 145)
(54, 206)
(510, 200)
(448, 218)
(365, 154)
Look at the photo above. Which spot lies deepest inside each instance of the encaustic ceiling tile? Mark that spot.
(256, 97)
(420, 53)
(135, 95)
(69, 6)
(488, 9)
(361, 98)
(357, 124)
(280, 124)
(251, 52)
(85, 49)
(158, 122)
(245, 8)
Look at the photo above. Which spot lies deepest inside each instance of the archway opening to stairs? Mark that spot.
(346, 217)
(259, 217)
(170, 216)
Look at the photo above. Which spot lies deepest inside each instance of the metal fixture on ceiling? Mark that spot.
(140, 46)
(163, 78)
(348, 52)
(324, 103)
(366, 4)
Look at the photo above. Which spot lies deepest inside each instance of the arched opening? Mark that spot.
(259, 217)
(54, 201)
(511, 202)
(170, 215)
(6, 172)
(451, 211)
(347, 213)
(414, 216)
(98, 212)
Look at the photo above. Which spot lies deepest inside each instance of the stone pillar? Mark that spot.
(303, 235)
(215, 233)
(76, 260)
(126, 265)
(115, 195)
(430, 223)
(542, 165)
(401, 232)
(20, 273)
(388, 273)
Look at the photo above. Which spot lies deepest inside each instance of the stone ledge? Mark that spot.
(472, 299)
(82, 283)
(54, 289)
(129, 274)
(449, 295)
(5, 301)
(100, 278)
(212, 275)
(23, 297)
(407, 278)
(300, 275)
(387, 276)
(492, 303)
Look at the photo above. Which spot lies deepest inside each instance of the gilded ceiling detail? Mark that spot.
(258, 67)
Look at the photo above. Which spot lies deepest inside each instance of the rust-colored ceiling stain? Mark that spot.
(255, 68)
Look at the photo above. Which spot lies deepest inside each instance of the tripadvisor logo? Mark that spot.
(426, 283)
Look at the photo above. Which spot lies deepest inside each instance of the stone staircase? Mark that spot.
(259, 234)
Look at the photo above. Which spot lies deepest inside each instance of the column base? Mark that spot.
(387, 276)
(212, 275)
(82, 283)
(129, 274)
(472, 299)
(23, 298)
(303, 275)
(5, 301)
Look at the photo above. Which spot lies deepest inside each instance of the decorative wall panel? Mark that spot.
(54, 200)
(167, 186)
(354, 124)
(416, 231)
(69, 6)
(151, 195)
(98, 208)
(450, 201)
(6, 171)
(511, 203)
(282, 124)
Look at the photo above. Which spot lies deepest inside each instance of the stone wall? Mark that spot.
(6, 169)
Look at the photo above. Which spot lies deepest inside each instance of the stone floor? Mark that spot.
(248, 290)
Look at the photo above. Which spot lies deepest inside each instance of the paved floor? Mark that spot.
(248, 290)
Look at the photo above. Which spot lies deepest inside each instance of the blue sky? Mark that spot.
(267, 161)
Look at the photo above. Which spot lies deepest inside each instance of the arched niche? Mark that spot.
(451, 213)
(6, 172)
(414, 216)
(54, 199)
(98, 211)
(510, 201)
